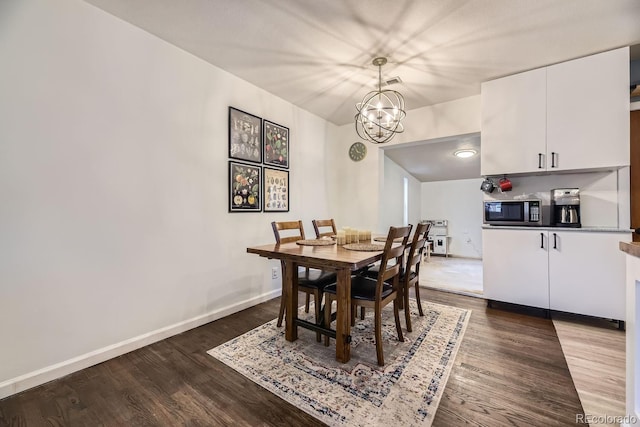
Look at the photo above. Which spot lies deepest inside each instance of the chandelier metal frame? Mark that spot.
(380, 113)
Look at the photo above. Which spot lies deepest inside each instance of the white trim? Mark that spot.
(405, 199)
(41, 376)
(635, 106)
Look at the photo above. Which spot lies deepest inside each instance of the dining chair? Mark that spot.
(376, 293)
(410, 276)
(310, 281)
(372, 271)
(318, 223)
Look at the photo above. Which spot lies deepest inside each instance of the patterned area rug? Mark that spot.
(406, 391)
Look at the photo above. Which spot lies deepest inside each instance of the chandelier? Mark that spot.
(380, 112)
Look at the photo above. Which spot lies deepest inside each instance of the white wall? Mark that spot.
(113, 181)
(459, 202)
(458, 117)
(353, 187)
(392, 197)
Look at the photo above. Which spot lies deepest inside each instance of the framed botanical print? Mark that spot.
(276, 145)
(245, 136)
(244, 187)
(276, 190)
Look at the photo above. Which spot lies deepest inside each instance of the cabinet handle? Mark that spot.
(541, 240)
(553, 159)
(539, 160)
(555, 241)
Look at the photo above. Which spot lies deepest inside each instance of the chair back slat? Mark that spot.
(318, 223)
(290, 227)
(388, 271)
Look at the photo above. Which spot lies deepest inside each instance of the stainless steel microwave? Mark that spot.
(513, 212)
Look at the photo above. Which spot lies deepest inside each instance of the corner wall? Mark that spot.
(392, 212)
(113, 181)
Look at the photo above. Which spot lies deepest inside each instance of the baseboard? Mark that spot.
(455, 256)
(454, 291)
(59, 370)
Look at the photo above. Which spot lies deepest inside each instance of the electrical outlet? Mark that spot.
(274, 273)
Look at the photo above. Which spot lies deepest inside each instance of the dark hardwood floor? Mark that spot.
(510, 370)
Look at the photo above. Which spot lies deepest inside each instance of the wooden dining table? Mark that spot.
(332, 258)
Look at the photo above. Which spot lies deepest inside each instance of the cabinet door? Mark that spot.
(587, 273)
(515, 266)
(588, 112)
(513, 124)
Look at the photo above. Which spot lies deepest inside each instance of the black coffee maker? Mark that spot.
(565, 207)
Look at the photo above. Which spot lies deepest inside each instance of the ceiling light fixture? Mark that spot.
(380, 112)
(465, 153)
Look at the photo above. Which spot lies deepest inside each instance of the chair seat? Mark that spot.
(362, 288)
(373, 270)
(373, 274)
(315, 278)
(412, 276)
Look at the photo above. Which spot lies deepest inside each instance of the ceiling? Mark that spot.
(317, 54)
(434, 161)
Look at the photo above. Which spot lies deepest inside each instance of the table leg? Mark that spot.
(343, 316)
(291, 305)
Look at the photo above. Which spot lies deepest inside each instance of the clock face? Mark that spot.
(357, 151)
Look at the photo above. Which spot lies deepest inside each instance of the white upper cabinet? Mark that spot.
(569, 116)
(588, 112)
(514, 123)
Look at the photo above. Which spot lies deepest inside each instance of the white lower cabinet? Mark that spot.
(515, 266)
(587, 273)
(575, 271)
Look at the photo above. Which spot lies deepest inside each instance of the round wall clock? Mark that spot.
(357, 151)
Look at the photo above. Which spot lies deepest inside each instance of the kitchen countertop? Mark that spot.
(632, 248)
(549, 228)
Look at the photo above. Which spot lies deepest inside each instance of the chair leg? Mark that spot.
(317, 301)
(396, 314)
(327, 316)
(407, 311)
(418, 300)
(353, 314)
(378, 331)
(361, 313)
(306, 304)
(281, 312)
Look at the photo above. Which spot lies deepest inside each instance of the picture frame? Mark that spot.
(276, 145)
(245, 136)
(276, 190)
(245, 183)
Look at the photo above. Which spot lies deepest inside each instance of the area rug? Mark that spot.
(406, 391)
